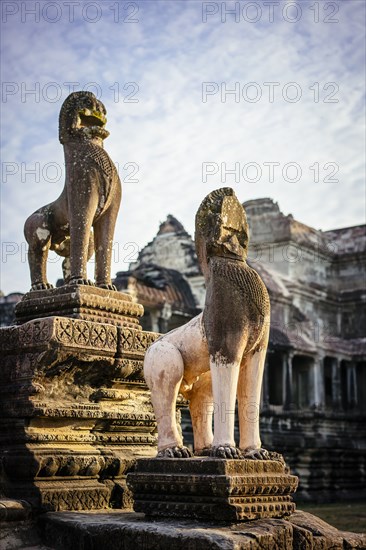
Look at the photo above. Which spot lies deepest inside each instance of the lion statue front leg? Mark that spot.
(103, 236)
(248, 394)
(224, 383)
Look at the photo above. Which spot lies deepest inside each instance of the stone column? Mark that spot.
(154, 321)
(287, 365)
(164, 317)
(336, 384)
(352, 386)
(319, 393)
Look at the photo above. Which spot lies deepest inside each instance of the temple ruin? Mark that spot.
(314, 391)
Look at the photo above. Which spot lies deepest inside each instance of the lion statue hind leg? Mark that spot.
(201, 407)
(163, 369)
(38, 235)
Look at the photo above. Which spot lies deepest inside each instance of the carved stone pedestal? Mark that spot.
(89, 303)
(212, 489)
(74, 409)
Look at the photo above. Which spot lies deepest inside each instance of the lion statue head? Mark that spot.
(221, 227)
(82, 117)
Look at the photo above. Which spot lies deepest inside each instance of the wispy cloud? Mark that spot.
(170, 132)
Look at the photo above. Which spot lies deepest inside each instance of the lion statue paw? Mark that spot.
(107, 287)
(80, 281)
(257, 454)
(276, 456)
(226, 451)
(41, 286)
(174, 452)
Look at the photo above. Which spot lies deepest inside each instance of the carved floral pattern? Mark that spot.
(86, 334)
(30, 334)
(136, 340)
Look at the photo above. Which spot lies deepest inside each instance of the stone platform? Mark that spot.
(115, 530)
(75, 411)
(207, 488)
(85, 302)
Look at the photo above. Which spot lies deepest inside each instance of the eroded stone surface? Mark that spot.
(115, 530)
(75, 412)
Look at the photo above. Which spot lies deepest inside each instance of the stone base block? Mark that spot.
(88, 303)
(215, 489)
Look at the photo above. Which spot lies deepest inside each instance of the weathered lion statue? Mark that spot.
(83, 218)
(219, 355)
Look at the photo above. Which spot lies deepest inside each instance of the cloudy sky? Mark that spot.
(266, 97)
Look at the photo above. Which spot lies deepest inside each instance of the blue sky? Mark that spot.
(293, 130)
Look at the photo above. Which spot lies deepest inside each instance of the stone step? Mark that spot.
(116, 530)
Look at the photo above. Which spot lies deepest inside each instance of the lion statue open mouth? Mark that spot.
(83, 218)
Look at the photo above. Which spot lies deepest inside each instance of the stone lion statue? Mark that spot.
(218, 356)
(83, 217)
